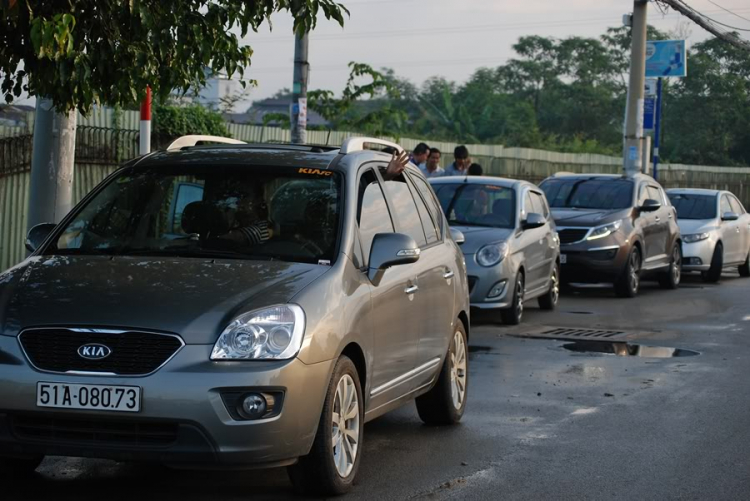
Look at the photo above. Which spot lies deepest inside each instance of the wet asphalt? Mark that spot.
(542, 422)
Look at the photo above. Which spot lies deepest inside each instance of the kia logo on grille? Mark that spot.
(94, 351)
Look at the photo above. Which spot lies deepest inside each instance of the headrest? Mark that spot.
(204, 219)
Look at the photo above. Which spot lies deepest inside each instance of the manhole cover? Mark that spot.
(575, 334)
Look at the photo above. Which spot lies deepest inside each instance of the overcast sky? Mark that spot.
(449, 38)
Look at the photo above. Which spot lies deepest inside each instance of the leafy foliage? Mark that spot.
(173, 121)
(87, 51)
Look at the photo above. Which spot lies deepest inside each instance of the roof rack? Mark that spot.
(192, 140)
(353, 144)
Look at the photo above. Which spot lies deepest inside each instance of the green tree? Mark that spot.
(88, 51)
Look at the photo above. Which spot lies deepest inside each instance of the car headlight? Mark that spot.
(604, 231)
(271, 333)
(491, 254)
(695, 237)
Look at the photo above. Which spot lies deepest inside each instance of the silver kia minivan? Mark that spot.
(235, 305)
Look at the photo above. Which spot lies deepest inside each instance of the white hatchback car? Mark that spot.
(715, 231)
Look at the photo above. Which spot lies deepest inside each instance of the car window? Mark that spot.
(405, 210)
(736, 206)
(373, 214)
(187, 193)
(725, 206)
(471, 204)
(528, 204)
(540, 207)
(653, 194)
(589, 193)
(642, 194)
(691, 206)
(432, 204)
(428, 225)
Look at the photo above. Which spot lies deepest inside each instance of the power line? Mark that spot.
(420, 63)
(727, 10)
(706, 23)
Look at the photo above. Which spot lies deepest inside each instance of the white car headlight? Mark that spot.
(696, 237)
(491, 254)
(604, 231)
(273, 333)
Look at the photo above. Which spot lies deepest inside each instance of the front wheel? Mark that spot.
(713, 274)
(330, 467)
(745, 267)
(670, 279)
(514, 314)
(550, 299)
(445, 403)
(630, 281)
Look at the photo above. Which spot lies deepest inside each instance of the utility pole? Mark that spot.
(299, 89)
(633, 154)
(51, 190)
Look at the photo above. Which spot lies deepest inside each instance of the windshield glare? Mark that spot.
(237, 212)
(694, 206)
(603, 194)
(477, 204)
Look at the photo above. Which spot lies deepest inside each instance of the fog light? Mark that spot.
(694, 261)
(497, 289)
(253, 406)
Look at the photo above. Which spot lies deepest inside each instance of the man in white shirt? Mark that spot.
(432, 166)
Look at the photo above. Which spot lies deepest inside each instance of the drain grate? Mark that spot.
(574, 333)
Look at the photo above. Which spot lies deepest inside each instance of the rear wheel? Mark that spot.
(670, 279)
(745, 268)
(11, 468)
(630, 281)
(550, 299)
(333, 461)
(514, 314)
(446, 401)
(713, 274)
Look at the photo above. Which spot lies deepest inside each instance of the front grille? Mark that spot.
(472, 283)
(94, 431)
(572, 235)
(133, 353)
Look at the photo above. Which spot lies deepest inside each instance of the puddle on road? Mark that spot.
(628, 350)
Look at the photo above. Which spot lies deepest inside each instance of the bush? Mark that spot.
(174, 121)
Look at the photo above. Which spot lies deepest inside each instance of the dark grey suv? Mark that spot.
(235, 306)
(615, 229)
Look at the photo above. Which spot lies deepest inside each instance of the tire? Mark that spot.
(630, 281)
(550, 299)
(514, 314)
(713, 275)
(744, 269)
(445, 403)
(671, 278)
(12, 468)
(320, 472)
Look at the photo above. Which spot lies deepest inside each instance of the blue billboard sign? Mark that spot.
(666, 58)
(649, 112)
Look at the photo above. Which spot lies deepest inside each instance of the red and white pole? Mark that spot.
(145, 143)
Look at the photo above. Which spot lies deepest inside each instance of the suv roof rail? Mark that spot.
(192, 140)
(354, 144)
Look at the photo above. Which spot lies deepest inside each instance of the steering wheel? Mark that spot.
(308, 245)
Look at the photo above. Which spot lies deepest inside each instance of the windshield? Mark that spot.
(577, 193)
(693, 206)
(239, 212)
(477, 204)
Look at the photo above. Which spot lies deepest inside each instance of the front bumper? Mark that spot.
(483, 280)
(697, 256)
(183, 401)
(594, 261)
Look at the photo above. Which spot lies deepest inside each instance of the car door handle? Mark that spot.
(670, 216)
(448, 275)
(411, 289)
(658, 219)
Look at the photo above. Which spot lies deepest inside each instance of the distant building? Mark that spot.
(15, 115)
(259, 109)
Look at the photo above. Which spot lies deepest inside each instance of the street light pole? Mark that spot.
(633, 144)
(299, 89)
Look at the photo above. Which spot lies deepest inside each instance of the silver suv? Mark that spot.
(235, 305)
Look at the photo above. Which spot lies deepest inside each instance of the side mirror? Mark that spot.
(457, 236)
(37, 235)
(650, 205)
(533, 220)
(390, 249)
(730, 216)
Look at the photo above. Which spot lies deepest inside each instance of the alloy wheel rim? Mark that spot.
(676, 266)
(458, 371)
(345, 426)
(555, 288)
(519, 298)
(635, 264)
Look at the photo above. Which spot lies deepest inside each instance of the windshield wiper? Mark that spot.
(182, 251)
(466, 223)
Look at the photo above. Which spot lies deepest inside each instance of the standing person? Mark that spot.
(461, 162)
(432, 167)
(419, 155)
(475, 170)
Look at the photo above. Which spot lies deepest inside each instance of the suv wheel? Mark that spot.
(630, 280)
(331, 465)
(670, 279)
(514, 314)
(713, 274)
(446, 401)
(550, 299)
(15, 467)
(745, 268)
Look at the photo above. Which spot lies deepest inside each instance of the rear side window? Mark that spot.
(653, 194)
(432, 205)
(406, 210)
(373, 212)
(528, 204)
(428, 225)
